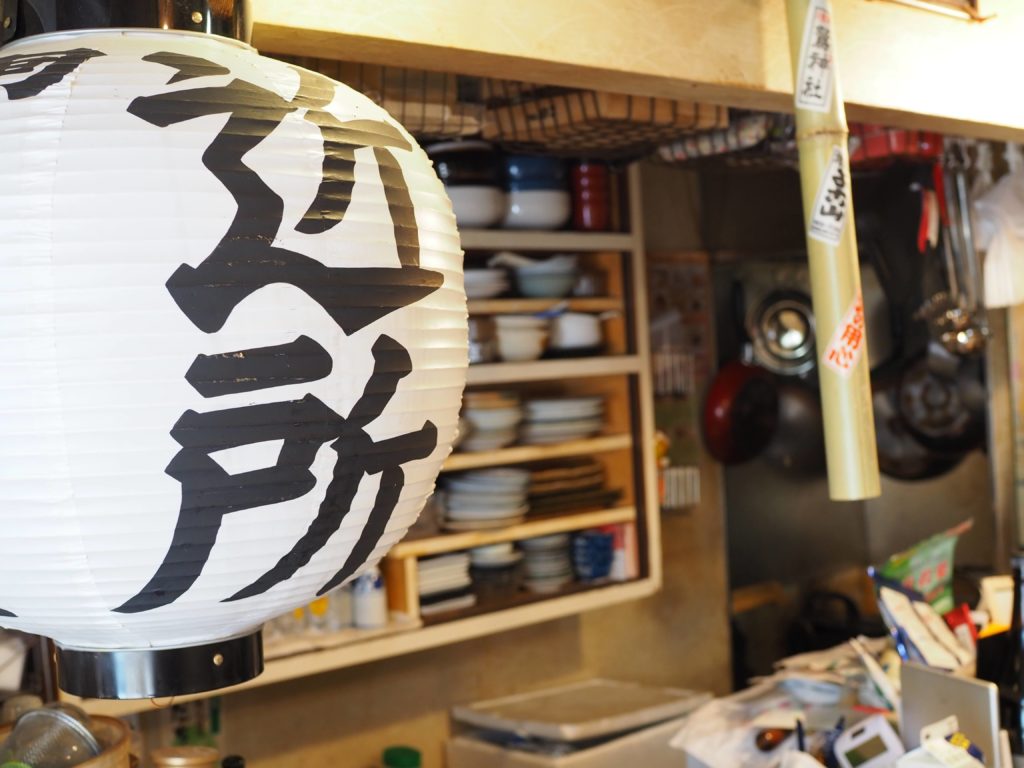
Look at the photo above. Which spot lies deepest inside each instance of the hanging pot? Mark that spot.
(798, 445)
(740, 413)
(945, 412)
(781, 330)
(900, 454)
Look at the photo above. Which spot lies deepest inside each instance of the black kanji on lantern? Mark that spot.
(42, 70)
(245, 260)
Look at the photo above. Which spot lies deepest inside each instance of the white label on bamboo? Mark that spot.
(847, 343)
(829, 213)
(813, 85)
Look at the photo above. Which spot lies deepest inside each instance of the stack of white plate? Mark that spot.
(444, 583)
(547, 563)
(485, 283)
(486, 498)
(492, 420)
(557, 420)
(495, 555)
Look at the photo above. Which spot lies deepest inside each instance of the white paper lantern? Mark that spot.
(234, 339)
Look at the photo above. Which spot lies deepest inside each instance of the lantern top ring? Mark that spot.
(70, 34)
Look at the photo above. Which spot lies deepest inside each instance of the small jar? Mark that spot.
(185, 757)
(318, 612)
(369, 601)
(339, 614)
(591, 201)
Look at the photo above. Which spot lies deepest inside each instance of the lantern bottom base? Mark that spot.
(157, 673)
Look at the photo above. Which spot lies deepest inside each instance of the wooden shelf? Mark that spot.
(519, 454)
(511, 599)
(552, 370)
(308, 642)
(397, 643)
(527, 240)
(516, 306)
(541, 526)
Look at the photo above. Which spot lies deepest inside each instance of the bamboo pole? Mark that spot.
(843, 367)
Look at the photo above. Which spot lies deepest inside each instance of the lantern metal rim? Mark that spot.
(126, 31)
(159, 672)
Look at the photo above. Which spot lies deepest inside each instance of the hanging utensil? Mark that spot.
(956, 315)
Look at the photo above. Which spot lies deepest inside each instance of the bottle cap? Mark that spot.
(195, 757)
(401, 757)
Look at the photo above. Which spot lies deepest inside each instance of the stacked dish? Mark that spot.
(547, 563)
(553, 277)
(570, 484)
(557, 420)
(592, 553)
(521, 337)
(538, 194)
(486, 498)
(444, 583)
(494, 567)
(485, 283)
(492, 420)
(473, 176)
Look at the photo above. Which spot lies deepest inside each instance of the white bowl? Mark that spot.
(537, 209)
(515, 345)
(559, 264)
(483, 275)
(493, 418)
(477, 206)
(572, 330)
(545, 285)
(485, 283)
(521, 322)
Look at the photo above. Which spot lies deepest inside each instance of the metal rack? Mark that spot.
(524, 117)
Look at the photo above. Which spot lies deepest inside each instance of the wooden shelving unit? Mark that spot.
(525, 240)
(529, 306)
(548, 370)
(625, 450)
(521, 454)
(540, 526)
(621, 376)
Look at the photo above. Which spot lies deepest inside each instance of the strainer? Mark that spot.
(49, 738)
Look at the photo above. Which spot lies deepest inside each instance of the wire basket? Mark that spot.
(431, 105)
(437, 106)
(567, 121)
(754, 140)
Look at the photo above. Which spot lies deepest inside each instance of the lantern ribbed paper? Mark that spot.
(233, 330)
